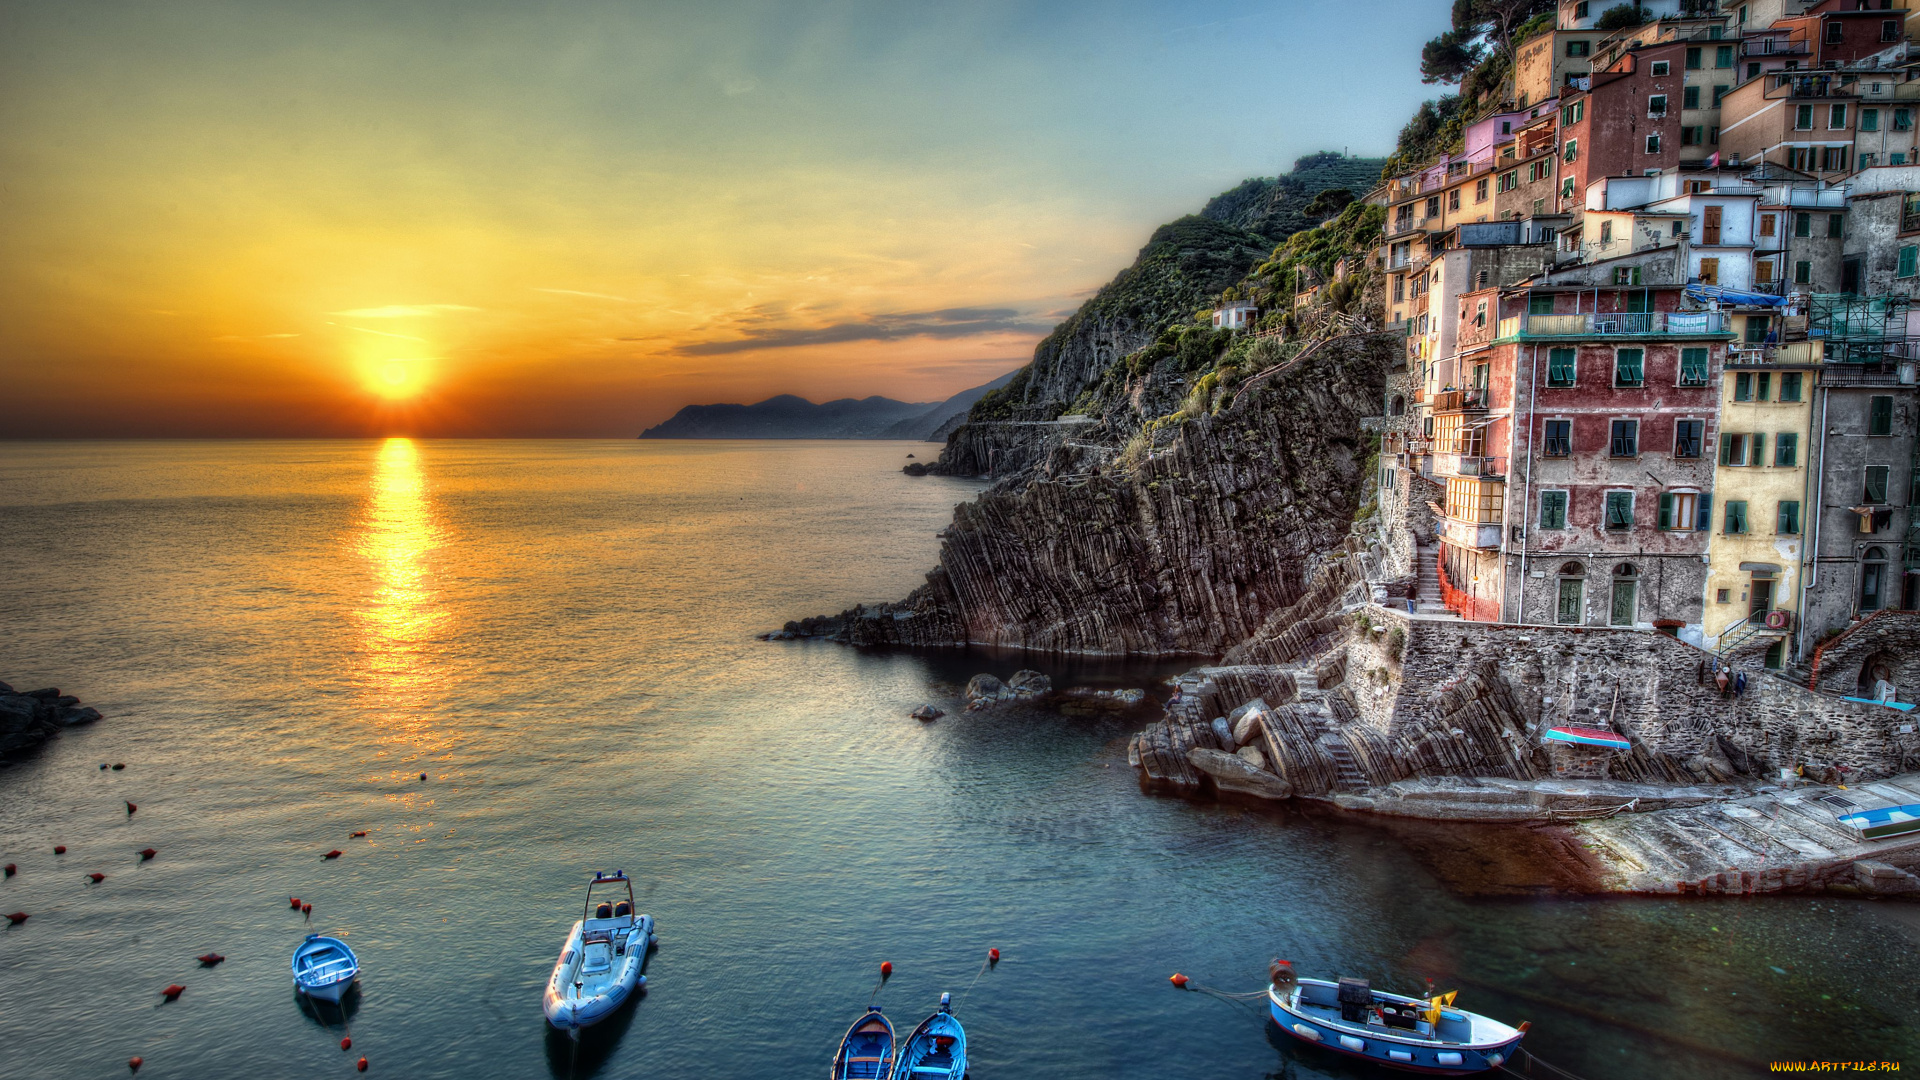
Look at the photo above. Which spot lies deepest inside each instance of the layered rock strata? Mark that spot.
(31, 718)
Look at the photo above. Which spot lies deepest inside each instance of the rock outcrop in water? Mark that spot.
(31, 718)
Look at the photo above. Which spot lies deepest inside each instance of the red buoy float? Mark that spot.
(993, 956)
(97, 878)
(173, 991)
(133, 1063)
(130, 809)
(11, 869)
(886, 969)
(346, 1043)
(362, 832)
(362, 1065)
(16, 918)
(59, 849)
(293, 902)
(334, 854)
(209, 959)
(147, 853)
(307, 910)
(1178, 980)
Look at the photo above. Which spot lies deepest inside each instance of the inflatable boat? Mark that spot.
(1403, 1033)
(324, 968)
(602, 963)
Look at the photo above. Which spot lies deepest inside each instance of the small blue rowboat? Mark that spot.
(1403, 1033)
(324, 968)
(937, 1049)
(1883, 821)
(1588, 736)
(867, 1051)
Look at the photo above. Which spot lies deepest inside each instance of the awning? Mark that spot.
(1707, 293)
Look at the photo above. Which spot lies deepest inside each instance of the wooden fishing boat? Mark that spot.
(1405, 1033)
(937, 1049)
(867, 1051)
(603, 961)
(324, 968)
(1588, 736)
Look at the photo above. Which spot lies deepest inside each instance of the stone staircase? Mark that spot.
(1428, 601)
(1348, 771)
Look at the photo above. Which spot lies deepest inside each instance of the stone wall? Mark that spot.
(1889, 638)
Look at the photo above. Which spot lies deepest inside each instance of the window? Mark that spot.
(1566, 186)
(1710, 271)
(1803, 118)
(1903, 119)
(1571, 114)
(1880, 416)
(1759, 457)
(1625, 441)
(1580, 10)
(1627, 368)
(1803, 224)
(1687, 437)
(1757, 325)
(1693, 367)
(1540, 304)
(1661, 67)
(1787, 521)
(1677, 510)
(1719, 91)
(1743, 386)
(1789, 386)
(1733, 449)
(1803, 272)
(1653, 143)
(1606, 237)
(1834, 158)
(1510, 180)
(1559, 438)
(1889, 30)
(1619, 511)
(1767, 224)
(1572, 155)
(1836, 225)
(1909, 261)
(1624, 587)
(1762, 275)
(1453, 199)
(1692, 135)
(1836, 33)
(1560, 367)
(1553, 509)
(1786, 449)
(1480, 191)
(1723, 56)
(1657, 105)
(1736, 516)
(1624, 275)
(1876, 485)
(1399, 288)
(1869, 119)
(1433, 206)
(1693, 59)
(1762, 383)
(1836, 117)
(1873, 578)
(1579, 48)
(1567, 611)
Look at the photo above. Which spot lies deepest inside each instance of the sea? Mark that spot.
(513, 664)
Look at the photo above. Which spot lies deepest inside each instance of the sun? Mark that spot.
(398, 379)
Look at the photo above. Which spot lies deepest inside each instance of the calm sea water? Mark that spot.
(284, 636)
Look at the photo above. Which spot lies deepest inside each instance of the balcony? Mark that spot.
(1617, 325)
(1776, 45)
(1492, 469)
(1473, 399)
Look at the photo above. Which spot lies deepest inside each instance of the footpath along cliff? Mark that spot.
(1167, 487)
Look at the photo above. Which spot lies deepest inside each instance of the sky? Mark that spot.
(286, 218)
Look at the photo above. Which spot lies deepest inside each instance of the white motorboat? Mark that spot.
(324, 968)
(604, 960)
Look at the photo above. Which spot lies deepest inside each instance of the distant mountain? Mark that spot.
(790, 417)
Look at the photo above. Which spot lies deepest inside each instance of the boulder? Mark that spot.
(914, 468)
(70, 716)
(1252, 756)
(927, 712)
(1030, 683)
(1222, 732)
(1247, 722)
(985, 690)
(1230, 772)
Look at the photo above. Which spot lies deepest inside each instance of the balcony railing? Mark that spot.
(1618, 324)
(1473, 399)
(1775, 45)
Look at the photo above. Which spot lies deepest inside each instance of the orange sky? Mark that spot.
(463, 218)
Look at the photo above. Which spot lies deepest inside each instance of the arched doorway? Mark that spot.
(1877, 670)
(1626, 595)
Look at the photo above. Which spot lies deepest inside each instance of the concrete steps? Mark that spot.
(1428, 600)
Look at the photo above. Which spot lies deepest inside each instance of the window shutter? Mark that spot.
(1759, 456)
(1704, 519)
(1666, 510)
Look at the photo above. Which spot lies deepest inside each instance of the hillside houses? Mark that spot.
(1662, 330)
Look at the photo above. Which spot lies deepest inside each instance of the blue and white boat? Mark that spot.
(324, 968)
(1880, 822)
(867, 1051)
(602, 963)
(1404, 1033)
(937, 1049)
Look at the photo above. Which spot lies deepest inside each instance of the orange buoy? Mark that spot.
(59, 849)
(16, 918)
(147, 853)
(362, 832)
(346, 1043)
(209, 959)
(334, 854)
(886, 969)
(97, 878)
(130, 809)
(173, 991)
(307, 910)
(293, 902)
(1178, 980)
(362, 1065)
(133, 1063)
(993, 956)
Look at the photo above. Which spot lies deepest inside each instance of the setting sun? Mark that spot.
(397, 379)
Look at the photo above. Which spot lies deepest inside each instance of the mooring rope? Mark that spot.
(1534, 1059)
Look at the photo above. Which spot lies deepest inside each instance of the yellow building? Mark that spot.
(1762, 492)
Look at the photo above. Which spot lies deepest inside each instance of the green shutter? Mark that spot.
(1786, 449)
(1880, 420)
(1626, 367)
(1789, 519)
(1553, 509)
(1736, 515)
(1909, 261)
(1666, 510)
(1693, 367)
(1759, 455)
(1704, 519)
(1560, 367)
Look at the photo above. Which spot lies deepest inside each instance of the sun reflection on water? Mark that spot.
(403, 623)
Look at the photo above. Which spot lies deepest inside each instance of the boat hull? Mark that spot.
(1384, 1047)
(867, 1051)
(937, 1050)
(324, 969)
(569, 1004)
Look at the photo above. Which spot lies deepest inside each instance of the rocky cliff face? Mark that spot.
(29, 719)
(1187, 551)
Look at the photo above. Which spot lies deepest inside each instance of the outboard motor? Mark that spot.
(1356, 1000)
